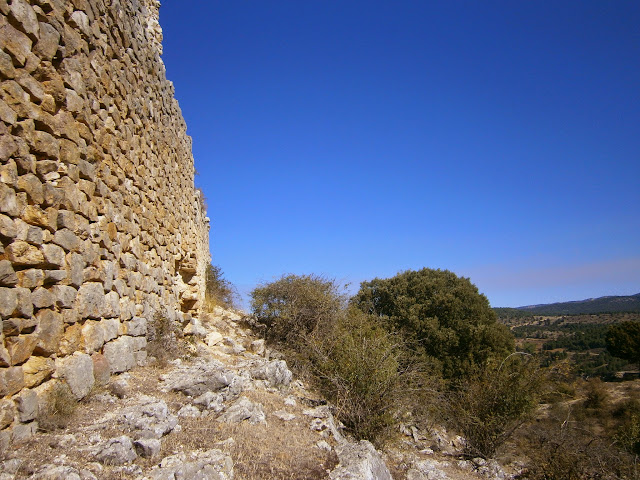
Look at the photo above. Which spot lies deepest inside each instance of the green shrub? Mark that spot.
(560, 447)
(295, 305)
(596, 397)
(219, 291)
(488, 407)
(358, 364)
(623, 341)
(443, 314)
(163, 339)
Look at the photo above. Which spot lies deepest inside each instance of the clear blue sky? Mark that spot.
(496, 139)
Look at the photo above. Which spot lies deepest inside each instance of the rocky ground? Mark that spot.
(228, 409)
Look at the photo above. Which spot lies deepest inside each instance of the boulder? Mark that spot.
(243, 409)
(275, 372)
(56, 472)
(210, 464)
(117, 451)
(359, 461)
(27, 403)
(148, 447)
(150, 418)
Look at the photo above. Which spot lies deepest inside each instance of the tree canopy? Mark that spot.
(295, 305)
(442, 314)
(623, 341)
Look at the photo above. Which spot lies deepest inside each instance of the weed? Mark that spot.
(58, 409)
(162, 339)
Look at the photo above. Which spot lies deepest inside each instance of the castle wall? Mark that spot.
(100, 224)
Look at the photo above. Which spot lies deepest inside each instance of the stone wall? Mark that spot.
(100, 224)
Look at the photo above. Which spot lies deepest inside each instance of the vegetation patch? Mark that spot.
(58, 408)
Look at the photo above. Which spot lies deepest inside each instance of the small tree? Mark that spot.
(359, 366)
(295, 305)
(623, 341)
(219, 290)
(443, 314)
(488, 407)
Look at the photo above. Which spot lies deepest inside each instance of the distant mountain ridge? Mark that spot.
(609, 304)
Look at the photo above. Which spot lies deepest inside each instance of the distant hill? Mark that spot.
(629, 303)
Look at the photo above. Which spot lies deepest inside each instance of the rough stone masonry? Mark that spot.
(100, 224)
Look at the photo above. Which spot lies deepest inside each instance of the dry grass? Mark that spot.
(277, 450)
(61, 404)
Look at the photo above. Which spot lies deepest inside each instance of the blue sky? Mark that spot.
(497, 139)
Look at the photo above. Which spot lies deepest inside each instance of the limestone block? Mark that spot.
(7, 413)
(22, 254)
(111, 305)
(7, 227)
(74, 102)
(66, 219)
(93, 274)
(25, 304)
(11, 327)
(46, 144)
(31, 278)
(32, 185)
(101, 369)
(42, 298)
(139, 343)
(120, 354)
(117, 451)
(30, 233)
(70, 315)
(6, 67)
(54, 276)
(27, 403)
(32, 87)
(34, 215)
(8, 200)
(20, 347)
(137, 326)
(71, 340)
(127, 308)
(77, 370)
(75, 267)
(16, 43)
(49, 331)
(53, 196)
(47, 46)
(8, 302)
(5, 358)
(66, 239)
(37, 370)
(9, 170)
(64, 296)
(90, 300)
(92, 336)
(22, 432)
(194, 327)
(26, 17)
(54, 255)
(110, 327)
(8, 276)
(11, 380)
